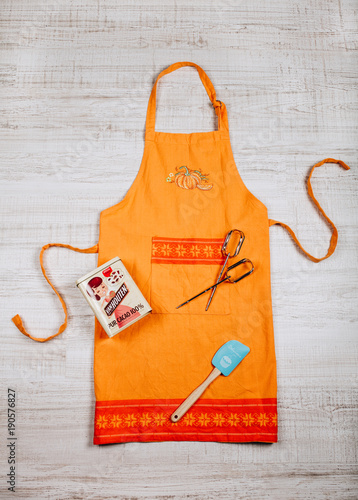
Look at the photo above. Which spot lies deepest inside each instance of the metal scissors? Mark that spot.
(225, 252)
(227, 277)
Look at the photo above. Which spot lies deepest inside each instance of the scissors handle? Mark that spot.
(239, 245)
(242, 261)
(228, 255)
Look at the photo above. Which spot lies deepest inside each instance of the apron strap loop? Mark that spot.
(220, 108)
(334, 237)
(17, 319)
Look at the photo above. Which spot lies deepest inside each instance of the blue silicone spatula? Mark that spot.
(225, 360)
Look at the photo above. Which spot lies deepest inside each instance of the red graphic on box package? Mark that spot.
(113, 276)
(98, 290)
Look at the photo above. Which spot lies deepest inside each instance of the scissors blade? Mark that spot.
(201, 293)
(217, 281)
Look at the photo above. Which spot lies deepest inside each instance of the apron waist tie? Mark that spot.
(17, 319)
(94, 249)
(334, 237)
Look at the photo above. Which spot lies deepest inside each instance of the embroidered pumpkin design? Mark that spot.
(191, 179)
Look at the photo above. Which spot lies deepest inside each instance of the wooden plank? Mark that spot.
(75, 78)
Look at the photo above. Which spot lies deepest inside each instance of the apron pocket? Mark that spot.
(182, 268)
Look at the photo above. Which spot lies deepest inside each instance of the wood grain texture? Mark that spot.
(75, 79)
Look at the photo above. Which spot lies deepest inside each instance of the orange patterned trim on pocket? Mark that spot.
(187, 250)
(243, 420)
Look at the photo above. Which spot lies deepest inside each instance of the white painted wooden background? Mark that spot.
(75, 81)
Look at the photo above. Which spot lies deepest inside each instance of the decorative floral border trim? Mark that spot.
(208, 420)
(187, 250)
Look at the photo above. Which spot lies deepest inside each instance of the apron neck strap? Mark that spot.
(220, 108)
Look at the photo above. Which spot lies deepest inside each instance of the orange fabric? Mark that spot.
(334, 237)
(187, 195)
(17, 319)
(168, 231)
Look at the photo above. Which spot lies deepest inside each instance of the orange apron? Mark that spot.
(168, 230)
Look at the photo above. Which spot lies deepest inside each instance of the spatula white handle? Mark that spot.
(194, 396)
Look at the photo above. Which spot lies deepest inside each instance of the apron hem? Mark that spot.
(255, 438)
(221, 420)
